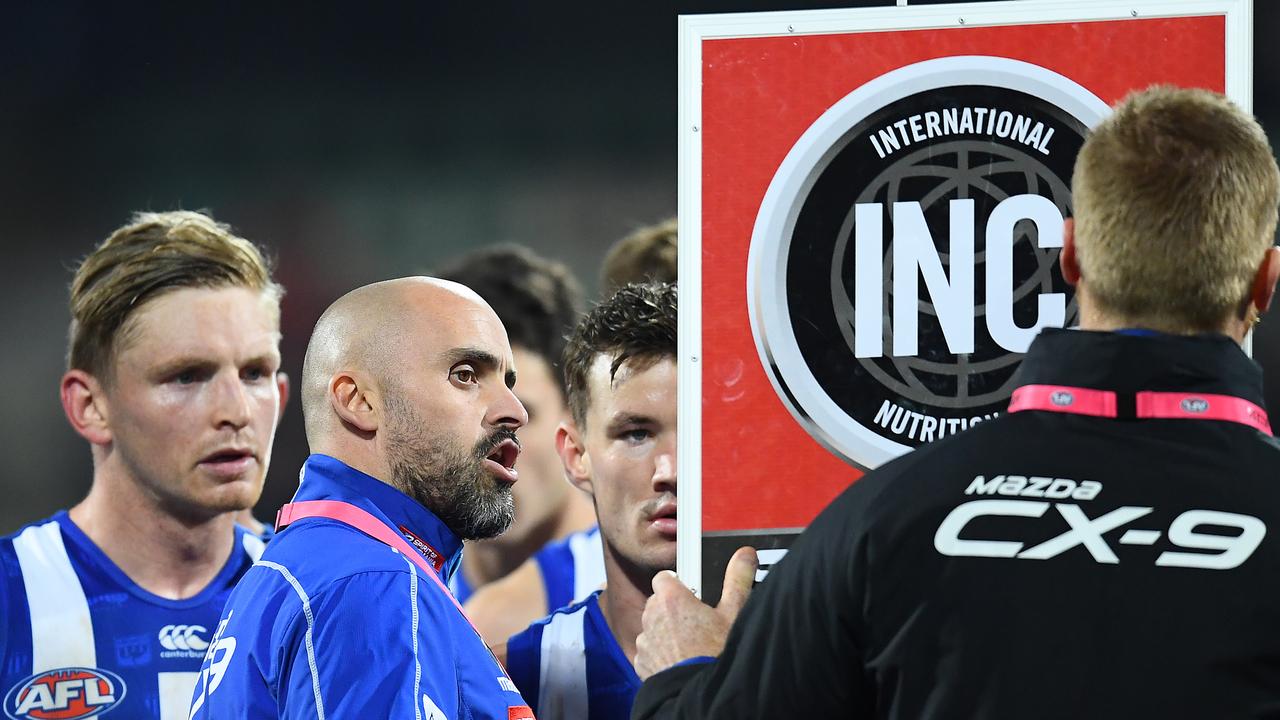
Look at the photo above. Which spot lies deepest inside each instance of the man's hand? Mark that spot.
(678, 626)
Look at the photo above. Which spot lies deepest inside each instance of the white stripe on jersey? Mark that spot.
(176, 689)
(253, 546)
(588, 564)
(562, 680)
(61, 627)
(306, 610)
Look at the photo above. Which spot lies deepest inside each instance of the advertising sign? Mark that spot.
(871, 207)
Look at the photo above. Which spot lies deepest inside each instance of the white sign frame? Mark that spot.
(695, 29)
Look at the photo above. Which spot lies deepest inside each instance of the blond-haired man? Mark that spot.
(172, 379)
(1105, 549)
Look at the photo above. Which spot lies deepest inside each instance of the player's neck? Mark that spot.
(1093, 317)
(622, 603)
(578, 514)
(484, 561)
(165, 555)
(488, 560)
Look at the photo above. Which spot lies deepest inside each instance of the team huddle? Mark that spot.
(435, 564)
(124, 604)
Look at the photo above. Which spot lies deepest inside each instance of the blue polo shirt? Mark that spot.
(333, 623)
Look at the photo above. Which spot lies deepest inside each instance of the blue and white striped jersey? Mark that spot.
(569, 666)
(332, 622)
(572, 568)
(79, 639)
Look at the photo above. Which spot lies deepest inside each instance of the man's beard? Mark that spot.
(452, 484)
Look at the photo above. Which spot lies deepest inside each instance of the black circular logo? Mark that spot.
(906, 252)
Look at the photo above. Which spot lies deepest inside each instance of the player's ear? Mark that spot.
(282, 384)
(354, 402)
(573, 453)
(1264, 280)
(85, 405)
(1068, 258)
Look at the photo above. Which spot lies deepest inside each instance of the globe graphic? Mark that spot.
(932, 176)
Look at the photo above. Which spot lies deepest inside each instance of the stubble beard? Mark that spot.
(449, 482)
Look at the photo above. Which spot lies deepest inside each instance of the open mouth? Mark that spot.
(228, 461)
(502, 460)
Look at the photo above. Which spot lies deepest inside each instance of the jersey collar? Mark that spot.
(327, 478)
(1128, 363)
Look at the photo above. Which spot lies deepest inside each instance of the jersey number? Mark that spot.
(215, 665)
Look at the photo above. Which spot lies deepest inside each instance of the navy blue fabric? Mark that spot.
(133, 631)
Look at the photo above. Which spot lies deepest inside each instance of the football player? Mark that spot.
(172, 380)
(620, 447)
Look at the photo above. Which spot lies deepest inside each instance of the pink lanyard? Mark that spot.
(349, 514)
(1148, 404)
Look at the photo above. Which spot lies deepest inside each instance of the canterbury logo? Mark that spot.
(183, 637)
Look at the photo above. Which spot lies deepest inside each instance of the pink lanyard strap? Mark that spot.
(349, 514)
(1148, 404)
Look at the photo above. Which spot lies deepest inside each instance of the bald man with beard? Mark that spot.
(410, 416)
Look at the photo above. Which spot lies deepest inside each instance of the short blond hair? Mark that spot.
(646, 255)
(1175, 198)
(153, 254)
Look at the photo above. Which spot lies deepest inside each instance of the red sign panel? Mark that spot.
(914, 126)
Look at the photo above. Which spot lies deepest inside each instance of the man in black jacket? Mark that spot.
(1110, 547)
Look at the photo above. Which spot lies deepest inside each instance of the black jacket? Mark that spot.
(867, 617)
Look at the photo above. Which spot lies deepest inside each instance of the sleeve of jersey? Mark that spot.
(796, 650)
(381, 646)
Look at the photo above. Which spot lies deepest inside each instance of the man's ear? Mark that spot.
(86, 407)
(573, 453)
(1264, 281)
(1068, 258)
(352, 400)
(282, 384)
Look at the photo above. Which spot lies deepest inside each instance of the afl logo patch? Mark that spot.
(905, 253)
(65, 694)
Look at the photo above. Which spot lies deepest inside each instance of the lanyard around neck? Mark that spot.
(1147, 404)
(361, 520)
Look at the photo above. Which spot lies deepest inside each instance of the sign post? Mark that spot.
(871, 206)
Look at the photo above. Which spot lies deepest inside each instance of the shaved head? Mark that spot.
(409, 381)
(366, 330)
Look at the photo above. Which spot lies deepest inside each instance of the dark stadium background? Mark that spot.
(356, 141)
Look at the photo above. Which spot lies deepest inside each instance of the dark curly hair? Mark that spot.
(637, 324)
(538, 300)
